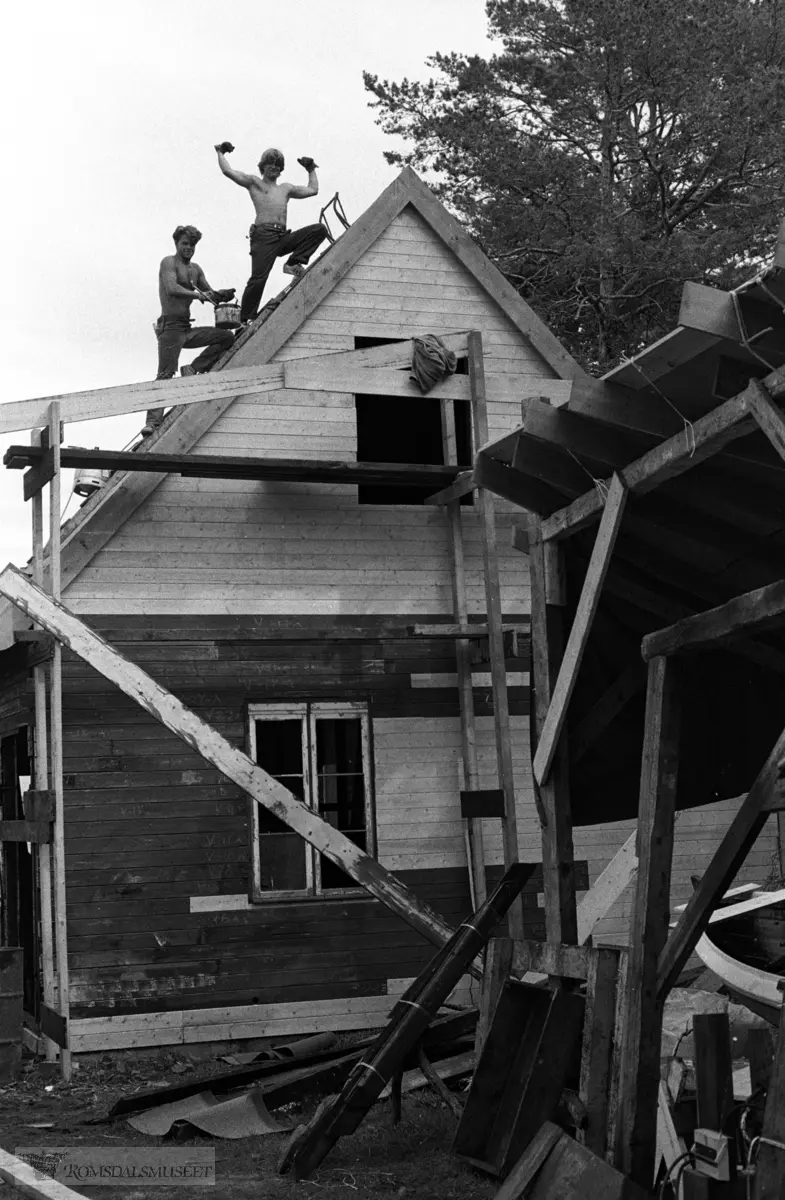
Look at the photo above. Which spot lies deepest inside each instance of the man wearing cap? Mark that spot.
(270, 239)
(180, 282)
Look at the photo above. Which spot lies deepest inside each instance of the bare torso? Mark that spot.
(187, 275)
(269, 201)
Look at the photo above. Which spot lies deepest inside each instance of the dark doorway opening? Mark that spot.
(18, 875)
(401, 429)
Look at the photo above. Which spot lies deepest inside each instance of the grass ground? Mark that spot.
(412, 1160)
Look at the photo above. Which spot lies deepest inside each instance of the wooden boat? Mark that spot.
(745, 946)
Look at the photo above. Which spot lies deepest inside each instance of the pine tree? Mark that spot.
(610, 151)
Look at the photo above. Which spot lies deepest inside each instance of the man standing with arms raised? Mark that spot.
(270, 239)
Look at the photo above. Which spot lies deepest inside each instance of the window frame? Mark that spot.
(309, 712)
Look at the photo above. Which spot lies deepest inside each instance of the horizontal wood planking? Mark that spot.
(147, 566)
(171, 827)
(699, 832)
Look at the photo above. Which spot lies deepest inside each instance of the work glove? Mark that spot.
(224, 295)
(225, 148)
(308, 163)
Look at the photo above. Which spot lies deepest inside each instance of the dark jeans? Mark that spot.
(175, 334)
(269, 242)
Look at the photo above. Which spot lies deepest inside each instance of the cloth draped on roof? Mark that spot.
(431, 362)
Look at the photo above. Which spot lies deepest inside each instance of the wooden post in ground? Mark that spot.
(640, 1062)
(56, 741)
(493, 604)
(547, 634)
(41, 777)
(770, 1157)
(472, 827)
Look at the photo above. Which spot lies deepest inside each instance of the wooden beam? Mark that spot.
(708, 435)
(597, 1051)
(742, 614)
(236, 765)
(56, 744)
(37, 832)
(41, 777)
(224, 466)
(730, 854)
(320, 375)
(493, 606)
(553, 797)
(607, 888)
(137, 397)
(304, 374)
(475, 853)
(463, 485)
(607, 708)
(770, 1159)
(768, 416)
(715, 311)
(640, 1062)
(661, 357)
(512, 485)
(581, 628)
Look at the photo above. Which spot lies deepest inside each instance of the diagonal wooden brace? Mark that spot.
(236, 765)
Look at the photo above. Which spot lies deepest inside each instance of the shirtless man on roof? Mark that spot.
(270, 239)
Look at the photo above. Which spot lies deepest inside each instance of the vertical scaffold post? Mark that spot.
(493, 604)
(41, 774)
(472, 828)
(56, 741)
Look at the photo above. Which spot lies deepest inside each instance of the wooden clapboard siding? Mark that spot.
(699, 832)
(16, 700)
(205, 545)
(150, 825)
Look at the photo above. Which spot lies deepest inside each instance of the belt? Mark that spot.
(269, 225)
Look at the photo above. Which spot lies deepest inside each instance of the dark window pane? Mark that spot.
(340, 782)
(279, 746)
(334, 877)
(282, 861)
(282, 853)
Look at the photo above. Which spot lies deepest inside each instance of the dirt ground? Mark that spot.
(411, 1161)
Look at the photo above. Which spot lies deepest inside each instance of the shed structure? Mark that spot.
(308, 614)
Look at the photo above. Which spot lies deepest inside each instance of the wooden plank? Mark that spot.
(56, 743)
(739, 839)
(308, 374)
(607, 887)
(713, 1070)
(640, 1065)
(534, 1156)
(707, 436)
(498, 965)
(29, 1182)
(137, 397)
(493, 606)
(659, 359)
(741, 614)
(462, 486)
(36, 832)
(238, 767)
(41, 778)
(770, 1160)
(670, 1146)
(606, 709)
(549, 958)
(597, 1050)
(553, 797)
(225, 466)
(513, 485)
(473, 834)
(588, 602)
(768, 416)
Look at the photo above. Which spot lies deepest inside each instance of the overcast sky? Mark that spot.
(110, 113)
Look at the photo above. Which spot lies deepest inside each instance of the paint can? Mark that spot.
(89, 480)
(227, 316)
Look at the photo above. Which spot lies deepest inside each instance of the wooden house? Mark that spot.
(312, 623)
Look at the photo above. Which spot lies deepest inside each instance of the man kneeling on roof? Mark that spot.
(270, 239)
(180, 282)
